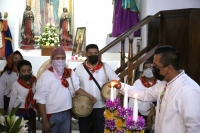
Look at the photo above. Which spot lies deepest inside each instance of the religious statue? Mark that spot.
(65, 38)
(120, 22)
(5, 37)
(27, 30)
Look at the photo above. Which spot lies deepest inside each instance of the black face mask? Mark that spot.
(156, 73)
(93, 59)
(26, 77)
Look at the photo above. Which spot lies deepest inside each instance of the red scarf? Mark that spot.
(97, 67)
(15, 70)
(66, 74)
(29, 97)
(146, 83)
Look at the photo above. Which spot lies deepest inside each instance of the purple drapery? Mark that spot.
(124, 19)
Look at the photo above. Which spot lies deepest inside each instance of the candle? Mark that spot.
(135, 109)
(125, 99)
(112, 94)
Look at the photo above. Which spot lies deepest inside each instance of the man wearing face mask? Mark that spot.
(177, 95)
(97, 69)
(146, 81)
(54, 91)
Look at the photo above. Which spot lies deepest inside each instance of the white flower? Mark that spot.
(48, 24)
(51, 44)
(23, 130)
(23, 122)
(2, 120)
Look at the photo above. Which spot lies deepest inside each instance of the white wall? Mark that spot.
(96, 16)
(15, 9)
(151, 7)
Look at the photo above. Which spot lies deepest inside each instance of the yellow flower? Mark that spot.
(115, 113)
(47, 43)
(106, 131)
(119, 123)
(128, 131)
(107, 114)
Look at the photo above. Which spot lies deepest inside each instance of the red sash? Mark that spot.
(66, 74)
(146, 83)
(29, 97)
(97, 67)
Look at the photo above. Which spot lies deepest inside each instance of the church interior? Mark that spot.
(161, 22)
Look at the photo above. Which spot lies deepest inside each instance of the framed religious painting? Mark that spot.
(56, 13)
(79, 42)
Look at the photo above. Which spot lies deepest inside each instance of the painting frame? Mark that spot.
(79, 42)
(39, 23)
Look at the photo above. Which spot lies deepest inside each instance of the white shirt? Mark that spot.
(6, 81)
(180, 112)
(18, 95)
(90, 86)
(143, 107)
(50, 91)
(1, 96)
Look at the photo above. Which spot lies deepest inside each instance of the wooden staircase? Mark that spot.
(178, 28)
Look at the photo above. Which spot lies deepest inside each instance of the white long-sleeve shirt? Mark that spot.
(6, 81)
(90, 86)
(50, 91)
(18, 95)
(143, 106)
(1, 96)
(180, 111)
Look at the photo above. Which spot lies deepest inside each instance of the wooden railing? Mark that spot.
(126, 68)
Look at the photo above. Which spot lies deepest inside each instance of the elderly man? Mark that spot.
(177, 95)
(54, 91)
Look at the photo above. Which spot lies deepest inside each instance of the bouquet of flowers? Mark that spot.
(49, 37)
(12, 124)
(120, 120)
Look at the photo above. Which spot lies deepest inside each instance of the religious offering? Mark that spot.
(124, 119)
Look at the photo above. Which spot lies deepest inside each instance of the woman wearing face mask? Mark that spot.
(9, 75)
(22, 93)
(146, 80)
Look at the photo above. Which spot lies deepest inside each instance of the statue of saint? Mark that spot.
(65, 38)
(5, 37)
(27, 30)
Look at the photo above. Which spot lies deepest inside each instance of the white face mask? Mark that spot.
(59, 66)
(148, 73)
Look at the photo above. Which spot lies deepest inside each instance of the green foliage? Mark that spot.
(9, 123)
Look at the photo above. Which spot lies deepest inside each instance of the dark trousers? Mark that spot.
(6, 102)
(93, 123)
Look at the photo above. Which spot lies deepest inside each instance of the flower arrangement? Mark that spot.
(120, 120)
(49, 37)
(12, 123)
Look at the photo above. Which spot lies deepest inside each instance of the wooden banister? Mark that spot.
(143, 51)
(129, 32)
(137, 63)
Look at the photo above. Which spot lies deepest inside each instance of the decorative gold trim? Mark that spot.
(28, 2)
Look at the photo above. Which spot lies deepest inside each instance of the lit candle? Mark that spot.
(112, 94)
(125, 99)
(135, 109)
